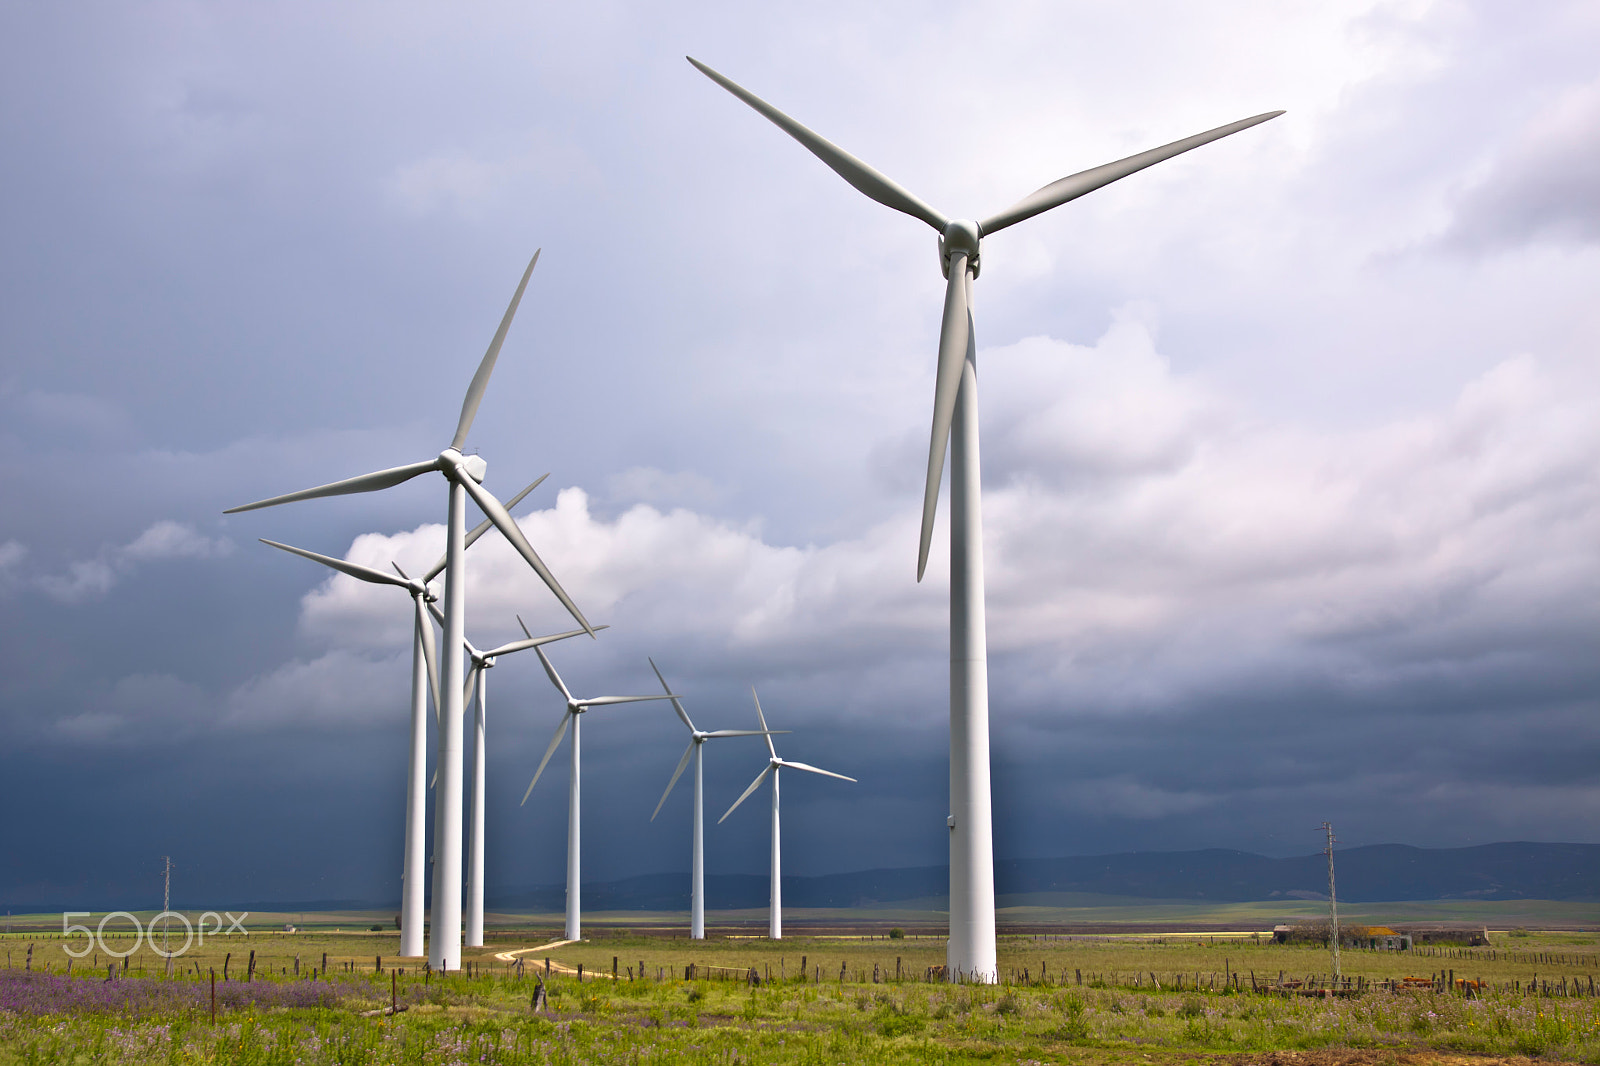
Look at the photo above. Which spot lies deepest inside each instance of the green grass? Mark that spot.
(1107, 1019)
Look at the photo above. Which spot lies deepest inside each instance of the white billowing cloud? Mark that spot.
(165, 540)
(173, 540)
(1142, 537)
(677, 571)
(1056, 413)
(335, 690)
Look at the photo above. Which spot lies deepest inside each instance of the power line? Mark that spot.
(1333, 902)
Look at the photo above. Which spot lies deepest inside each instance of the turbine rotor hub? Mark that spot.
(474, 466)
(959, 236)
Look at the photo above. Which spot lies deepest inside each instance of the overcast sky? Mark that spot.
(1291, 444)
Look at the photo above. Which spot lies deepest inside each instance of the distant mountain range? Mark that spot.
(1379, 873)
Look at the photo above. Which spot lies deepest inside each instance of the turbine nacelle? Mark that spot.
(959, 235)
(475, 467)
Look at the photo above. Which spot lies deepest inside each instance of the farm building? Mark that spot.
(1459, 933)
(1374, 938)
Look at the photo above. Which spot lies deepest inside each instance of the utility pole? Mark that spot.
(166, 904)
(1333, 903)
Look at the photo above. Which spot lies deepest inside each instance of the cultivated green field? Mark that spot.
(859, 997)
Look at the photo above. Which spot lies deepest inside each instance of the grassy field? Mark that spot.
(1143, 998)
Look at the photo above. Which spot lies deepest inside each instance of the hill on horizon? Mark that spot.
(1379, 873)
(1371, 874)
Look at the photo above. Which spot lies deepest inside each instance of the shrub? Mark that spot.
(1191, 1008)
(897, 934)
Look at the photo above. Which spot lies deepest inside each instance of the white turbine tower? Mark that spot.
(971, 951)
(697, 737)
(774, 764)
(477, 689)
(424, 681)
(570, 718)
(464, 474)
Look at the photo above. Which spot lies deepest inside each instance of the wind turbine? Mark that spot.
(697, 737)
(970, 954)
(424, 680)
(774, 764)
(570, 718)
(477, 688)
(464, 474)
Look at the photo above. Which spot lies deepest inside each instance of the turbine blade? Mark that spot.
(763, 720)
(1085, 181)
(762, 776)
(503, 520)
(534, 642)
(380, 479)
(430, 654)
(683, 715)
(608, 701)
(842, 163)
(683, 762)
(555, 742)
(955, 333)
(480, 529)
(355, 570)
(480, 380)
(555, 678)
(718, 734)
(469, 690)
(808, 768)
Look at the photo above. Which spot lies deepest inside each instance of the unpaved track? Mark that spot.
(555, 967)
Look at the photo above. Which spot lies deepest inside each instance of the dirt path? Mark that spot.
(511, 956)
(555, 967)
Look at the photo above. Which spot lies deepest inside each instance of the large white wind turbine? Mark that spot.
(572, 718)
(424, 680)
(697, 737)
(775, 764)
(477, 689)
(464, 474)
(971, 951)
